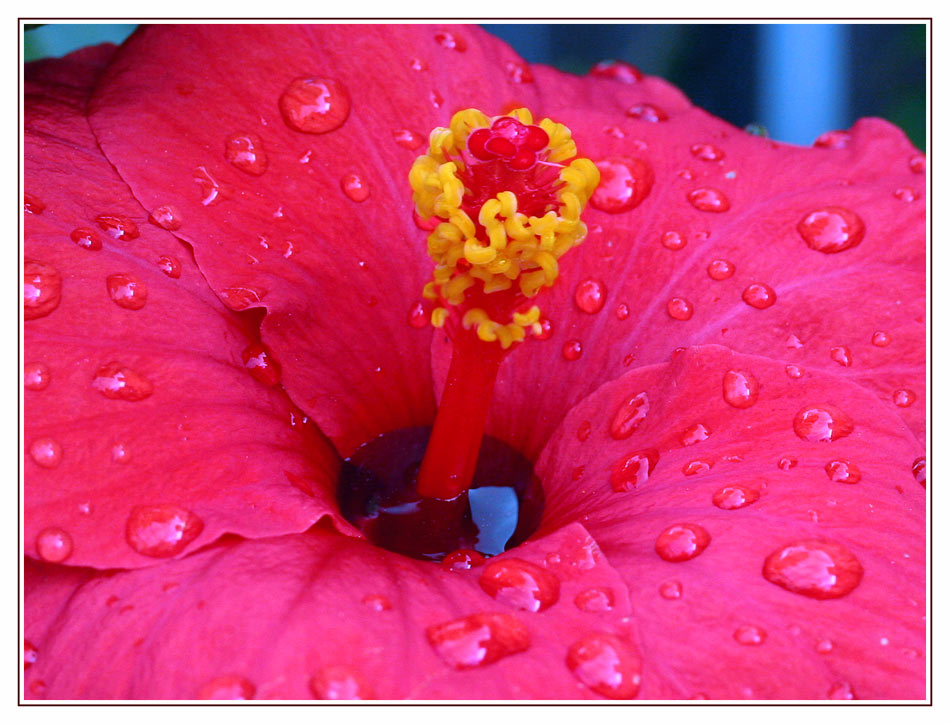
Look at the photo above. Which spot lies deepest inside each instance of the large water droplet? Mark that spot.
(520, 584)
(261, 364)
(740, 388)
(814, 568)
(572, 350)
(906, 194)
(450, 41)
(607, 665)
(36, 376)
(245, 151)
(595, 600)
(118, 227)
(54, 545)
(339, 683)
(759, 296)
(354, 187)
(633, 470)
(647, 112)
(86, 239)
(749, 635)
(590, 296)
(831, 229)
(629, 415)
(681, 542)
(227, 688)
(733, 497)
(618, 70)
(720, 269)
(314, 105)
(624, 184)
(707, 152)
(166, 217)
(161, 531)
(709, 199)
(117, 382)
(842, 471)
(127, 291)
(679, 309)
(822, 423)
(42, 289)
(479, 639)
(46, 452)
(694, 434)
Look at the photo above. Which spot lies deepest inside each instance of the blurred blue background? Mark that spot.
(796, 80)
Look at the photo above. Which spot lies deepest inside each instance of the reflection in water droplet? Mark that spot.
(227, 688)
(520, 584)
(647, 112)
(240, 298)
(720, 269)
(86, 239)
(118, 227)
(161, 531)
(245, 151)
(46, 452)
(547, 329)
(831, 229)
(740, 389)
(624, 184)
(681, 542)
(749, 635)
(590, 296)
(127, 291)
(759, 296)
(671, 590)
(463, 559)
(32, 205)
(54, 545)
(117, 382)
(906, 194)
(694, 434)
(595, 600)
(36, 376)
(833, 139)
(572, 350)
(822, 423)
(918, 163)
(417, 317)
(733, 497)
(632, 470)
(42, 289)
(631, 412)
(314, 105)
(607, 665)
(814, 568)
(709, 199)
(842, 471)
(259, 361)
(904, 398)
(479, 639)
(170, 266)
(824, 646)
(679, 309)
(166, 217)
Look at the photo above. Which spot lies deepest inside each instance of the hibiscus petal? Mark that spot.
(712, 620)
(274, 617)
(146, 436)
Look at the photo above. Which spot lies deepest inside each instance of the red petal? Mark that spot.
(690, 607)
(140, 400)
(276, 617)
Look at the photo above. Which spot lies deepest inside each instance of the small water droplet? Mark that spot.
(127, 291)
(793, 371)
(417, 317)
(245, 151)
(880, 339)
(632, 470)
(166, 217)
(833, 139)
(831, 229)
(42, 289)
(614, 132)
(118, 227)
(617, 70)
(759, 296)
(720, 269)
(842, 471)
(450, 41)
(595, 600)
(30, 654)
(36, 376)
(314, 105)
(814, 568)
(622, 311)
(629, 359)
(161, 531)
(733, 497)
(696, 467)
(917, 163)
(681, 542)
(673, 240)
(86, 239)
(547, 329)
(787, 463)
(377, 603)
(841, 355)
(590, 296)
(707, 152)
(435, 98)
(841, 690)
(518, 72)
(824, 646)
(117, 382)
(407, 139)
(748, 635)
(572, 350)
(740, 389)
(904, 398)
(478, 640)
(54, 545)
(418, 65)
(624, 184)
(520, 584)
(32, 204)
(629, 416)
(906, 194)
(259, 361)
(463, 559)
(339, 683)
(121, 453)
(671, 590)
(647, 112)
(679, 309)
(793, 342)
(240, 298)
(694, 434)
(583, 430)
(919, 469)
(229, 687)
(607, 665)
(46, 452)
(709, 199)
(354, 187)
(170, 266)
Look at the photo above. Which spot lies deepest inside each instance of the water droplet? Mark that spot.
(904, 398)
(450, 41)
(919, 469)
(32, 205)
(841, 355)
(720, 269)
(647, 112)
(127, 291)
(629, 359)
(749, 635)
(520, 584)
(824, 646)
(170, 266)
(419, 65)
(583, 430)
(880, 339)
(435, 98)
(377, 603)
(673, 240)
(918, 163)
(354, 187)
(833, 139)
(787, 463)
(577, 473)
(632, 470)
(314, 105)
(814, 568)
(733, 497)
(709, 199)
(42, 289)
(46, 452)
(679, 308)
(240, 298)
(36, 376)
(121, 453)
(614, 132)
(339, 683)
(407, 139)
(740, 388)
(831, 229)
(671, 590)
(759, 296)
(572, 350)
(117, 382)
(417, 317)
(161, 531)
(590, 296)
(695, 467)
(822, 423)
(228, 687)
(629, 415)
(694, 434)
(622, 311)
(842, 471)
(906, 194)
(463, 559)
(681, 542)
(245, 151)
(707, 152)
(841, 690)
(617, 70)
(86, 239)
(606, 664)
(259, 361)
(547, 329)
(30, 654)
(118, 227)
(166, 217)
(479, 639)
(595, 600)
(54, 545)
(793, 371)
(624, 184)
(518, 72)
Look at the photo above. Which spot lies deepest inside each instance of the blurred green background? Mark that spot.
(797, 80)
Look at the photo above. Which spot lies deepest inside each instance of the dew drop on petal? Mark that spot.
(720, 269)
(906, 194)
(583, 430)
(787, 463)
(417, 317)
(814, 568)
(377, 603)
(261, 364)
(694, 434)
(435, 98)
(793, 342)
(822, 423)
(121, 453)
(647, 112)
(86, 239)
(463, 560)
(842, 471)
(42, 289)
(54, 545)
(478, 640)
(841, 690)
(117, 382)
(759, 296)
(314, 105)
(833, 139)
(595, 600)
(633, 469)
(709, 199)
(679, 309)
(624, 184)
(246, 153)
(354, 187)
(673, 240)
(30, 654)
(607, 665)
(681, 542)
(880, 339)
(841, 355)
(170, 266)
(904, 398)
(919, 469)
(450, 41)
(418, 65)
(617, 70)
(824, 646)
(671, 590)
(227, 687)
(748, 635)
(166, 217)
(793, 371)
(572, 350)
(240, 298)
(733, 497)
(118, 227)
(46, 452)
(695, 467)
(590, 296)
(161, 531)
(32, 204)
(212, 190)
(740, 389)
(622, 311)
(407, 139)
(36, 376)
(831, 229)
(917, 163)
(518, 72)
(339, 683)
(520, 584)
(127, 291)
(706, 152)
(629, 416)
(547, 329)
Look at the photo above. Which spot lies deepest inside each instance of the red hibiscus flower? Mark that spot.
(223, 297)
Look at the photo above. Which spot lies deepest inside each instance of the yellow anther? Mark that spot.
(477, 254)
(439, 315)
(528, 318)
